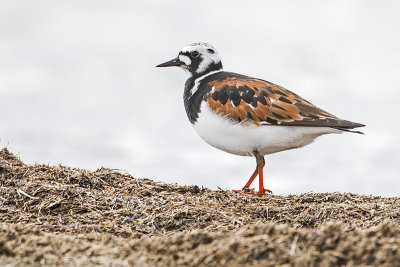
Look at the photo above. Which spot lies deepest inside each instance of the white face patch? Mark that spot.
(207, 57)
(185, 59)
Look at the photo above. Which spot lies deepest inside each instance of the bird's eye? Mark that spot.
(194, 54)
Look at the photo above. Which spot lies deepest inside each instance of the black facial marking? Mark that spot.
(195, 60)
(277, 106)
(194, 54)
(284, 99)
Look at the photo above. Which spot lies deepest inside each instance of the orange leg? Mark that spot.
(261, 189)
(260, 167)
(258, 171)
(250, 181)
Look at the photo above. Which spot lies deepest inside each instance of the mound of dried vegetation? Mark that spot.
(56, 215)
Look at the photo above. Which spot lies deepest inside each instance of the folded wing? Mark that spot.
(256, 101)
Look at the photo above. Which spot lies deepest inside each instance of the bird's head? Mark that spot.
(197, 59)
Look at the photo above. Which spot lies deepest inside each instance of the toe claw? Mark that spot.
(265, 192)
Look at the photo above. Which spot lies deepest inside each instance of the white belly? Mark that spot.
(243, 139)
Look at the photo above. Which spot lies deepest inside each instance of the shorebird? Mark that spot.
(248, 116)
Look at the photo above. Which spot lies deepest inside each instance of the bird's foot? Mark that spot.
(248, 191)
(264, 192)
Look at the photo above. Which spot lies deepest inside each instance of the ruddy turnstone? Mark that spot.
(248, 116)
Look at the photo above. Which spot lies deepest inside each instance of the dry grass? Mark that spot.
(59, 215)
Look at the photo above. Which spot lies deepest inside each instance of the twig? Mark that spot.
(20, 192)
(293, 246)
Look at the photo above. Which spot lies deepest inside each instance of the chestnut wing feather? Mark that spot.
(261, 102)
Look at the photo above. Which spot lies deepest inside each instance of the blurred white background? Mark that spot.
(78, 86)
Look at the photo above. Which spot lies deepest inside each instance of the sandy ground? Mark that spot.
(57, 215)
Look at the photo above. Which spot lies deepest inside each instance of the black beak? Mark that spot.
(174, 62)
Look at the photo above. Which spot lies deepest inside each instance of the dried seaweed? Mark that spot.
(166, 224)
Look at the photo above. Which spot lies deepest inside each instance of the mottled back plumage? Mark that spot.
(252, 100)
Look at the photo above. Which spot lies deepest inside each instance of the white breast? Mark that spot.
(244, 138)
